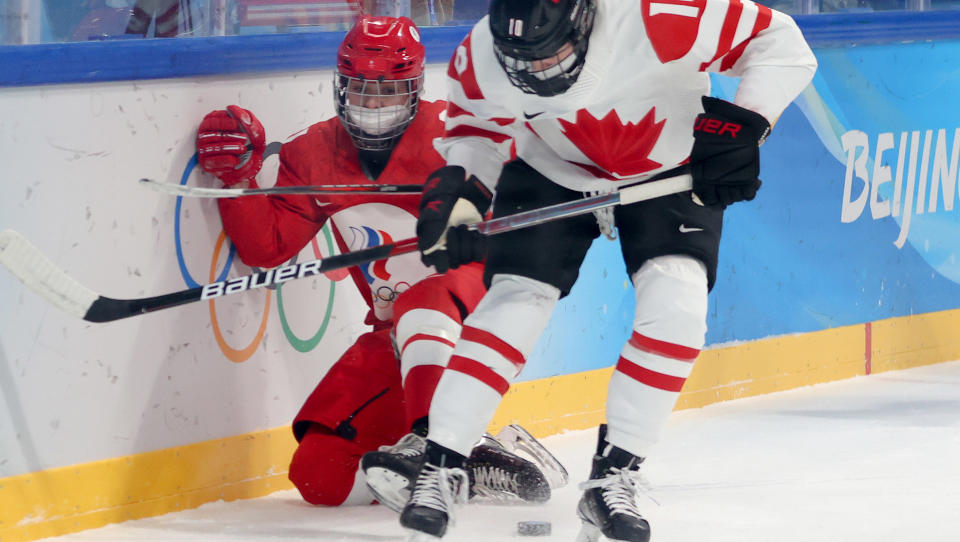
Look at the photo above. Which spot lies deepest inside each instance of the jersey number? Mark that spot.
(460, 59)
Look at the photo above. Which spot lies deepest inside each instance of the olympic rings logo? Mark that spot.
(239, 355)
(385, 295)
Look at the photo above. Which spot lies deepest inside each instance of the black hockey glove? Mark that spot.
(725, 159)
(449, 202)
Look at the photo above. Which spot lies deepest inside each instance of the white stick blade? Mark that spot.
(193, 191)
(39, 274)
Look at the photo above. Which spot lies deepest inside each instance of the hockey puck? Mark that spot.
(533, 528)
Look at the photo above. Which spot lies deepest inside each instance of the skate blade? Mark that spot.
(489, 440)
(390, 488)
(516, 439)
(419, 536)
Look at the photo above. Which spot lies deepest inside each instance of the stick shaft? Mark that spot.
(183, 190)
(37, 272)
(106, 309)
(625, 196)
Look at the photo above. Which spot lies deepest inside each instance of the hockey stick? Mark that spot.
(326, 190)
(38, 273)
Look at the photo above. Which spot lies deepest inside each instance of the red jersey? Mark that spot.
(269, 231)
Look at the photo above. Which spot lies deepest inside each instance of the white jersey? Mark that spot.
(631, 112)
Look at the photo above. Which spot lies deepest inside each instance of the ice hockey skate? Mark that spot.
(391, 470)
(500, 475)
(517, 440)
(441, 483)
(496, 470)
(608, 506)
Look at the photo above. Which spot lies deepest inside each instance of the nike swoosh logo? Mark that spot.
(529, 116)
(685, 229)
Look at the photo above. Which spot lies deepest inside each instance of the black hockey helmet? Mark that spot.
(530, 33)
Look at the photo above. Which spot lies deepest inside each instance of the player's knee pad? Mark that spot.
(671, 293)
(425, 336)
(427, 325)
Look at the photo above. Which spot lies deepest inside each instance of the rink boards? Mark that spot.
(90, 495)
(845, 265)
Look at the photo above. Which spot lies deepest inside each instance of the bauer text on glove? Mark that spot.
(725, 159)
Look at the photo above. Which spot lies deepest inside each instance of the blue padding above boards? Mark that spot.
(134, 59)
(867, 28)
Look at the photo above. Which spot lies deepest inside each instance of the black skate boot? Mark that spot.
(500, 475)
(391, 470)
(495, 472)
(441, 483)
(608, 505)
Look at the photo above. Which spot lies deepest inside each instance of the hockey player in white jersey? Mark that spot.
(594, 94)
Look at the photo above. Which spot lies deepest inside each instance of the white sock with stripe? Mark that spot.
(493, 347)
(669, 329)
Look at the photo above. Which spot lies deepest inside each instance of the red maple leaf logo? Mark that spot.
(617, 148)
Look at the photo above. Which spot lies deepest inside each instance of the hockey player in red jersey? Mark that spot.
(594, 94)
(369, 399)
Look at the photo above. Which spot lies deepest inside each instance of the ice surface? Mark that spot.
(871, 459)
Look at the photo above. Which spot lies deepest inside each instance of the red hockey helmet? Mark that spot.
(387, 47)
(379, 79)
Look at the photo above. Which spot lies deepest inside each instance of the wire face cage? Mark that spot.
(375, 112)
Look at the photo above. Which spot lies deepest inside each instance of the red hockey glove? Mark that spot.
(725, 159)
(230, 144)
(449, 202)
